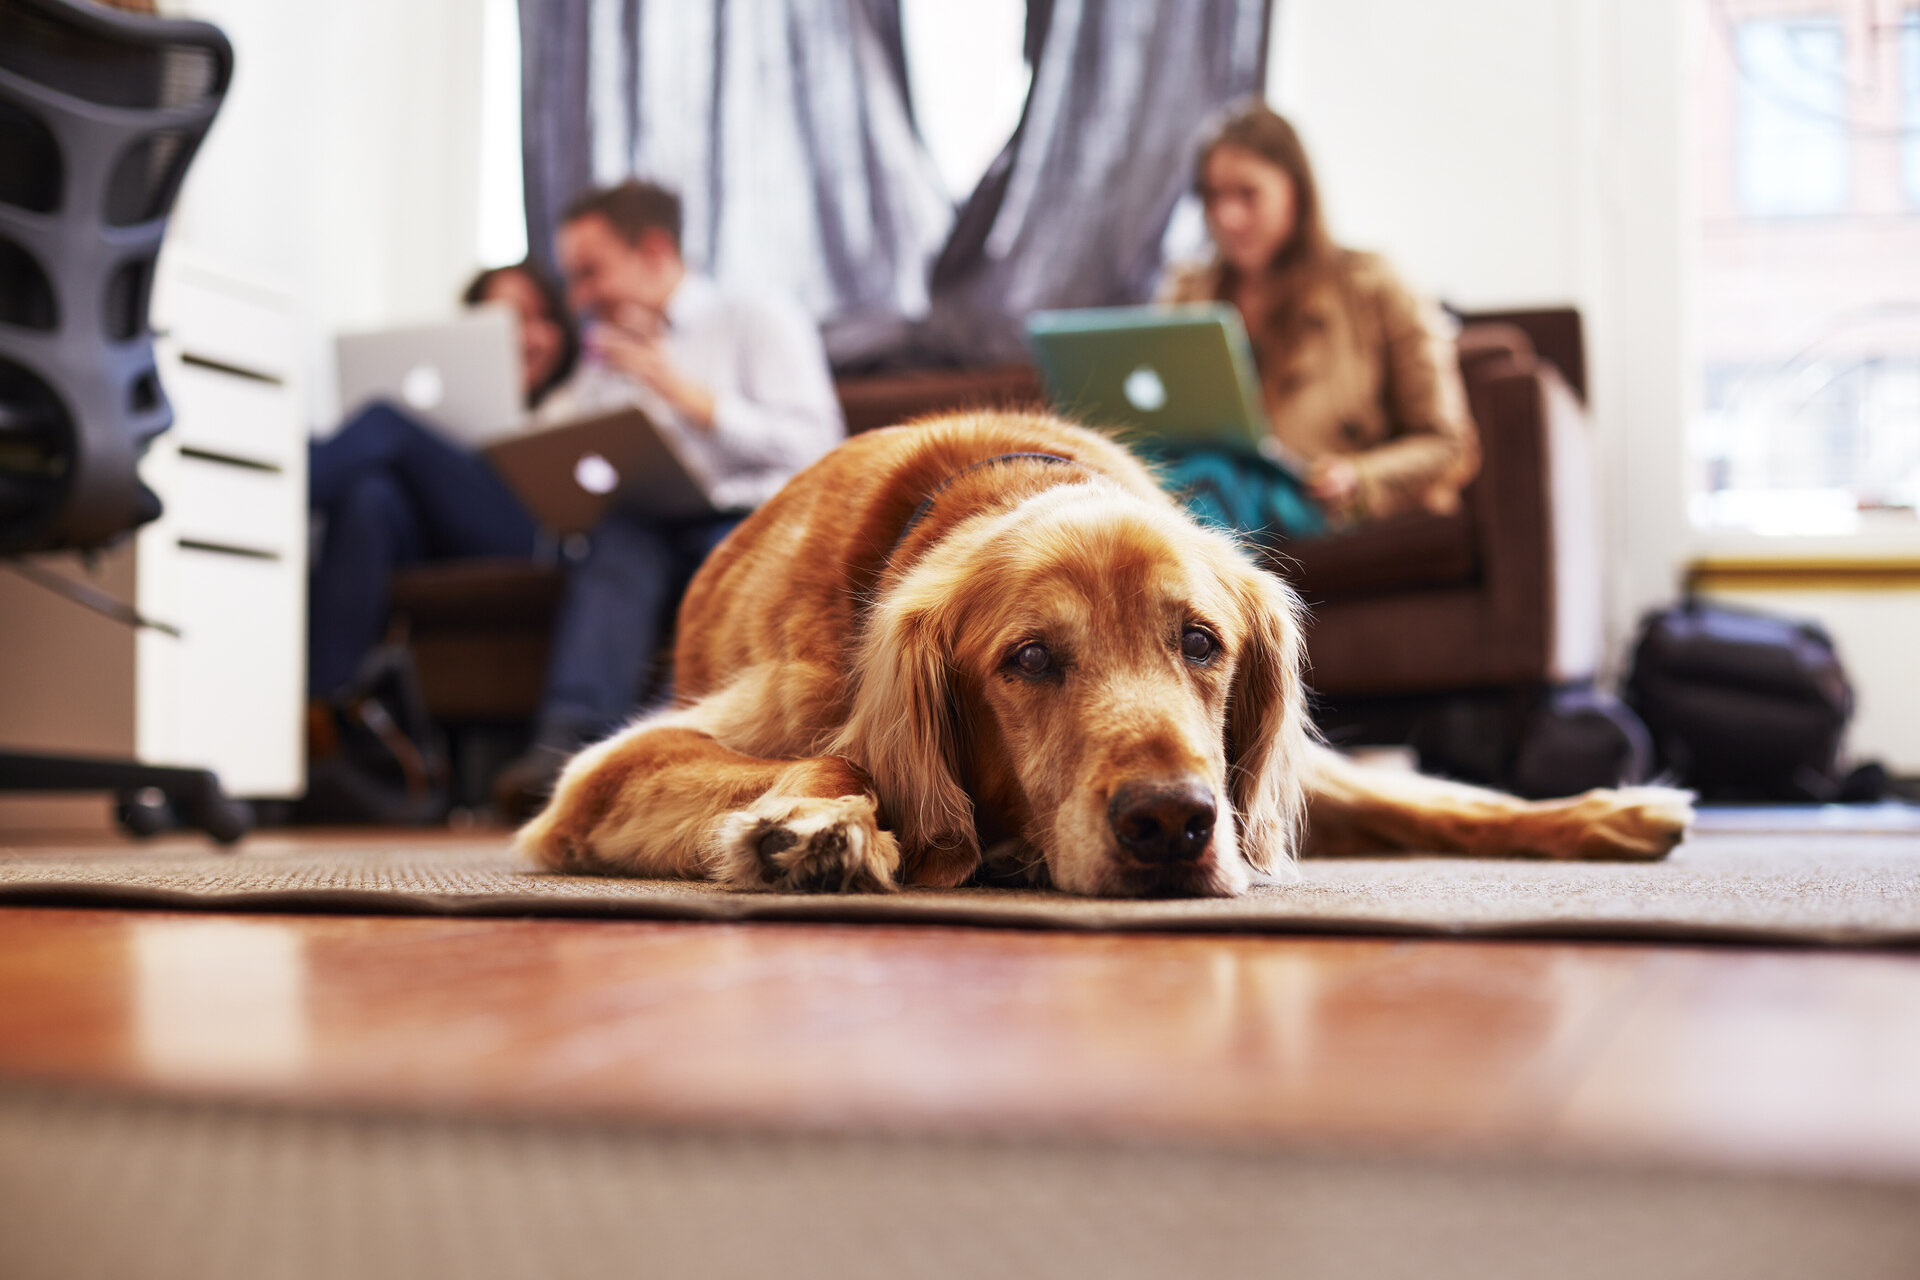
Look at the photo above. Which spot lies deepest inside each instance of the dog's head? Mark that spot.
(1094, 684)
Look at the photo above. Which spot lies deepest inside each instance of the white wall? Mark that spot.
(344, 169)
(1516, 152)
(1445, 135)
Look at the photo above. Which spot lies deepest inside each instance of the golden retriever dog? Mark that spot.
(989, 646)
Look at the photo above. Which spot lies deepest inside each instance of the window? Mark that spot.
(1910, 102)
(1808, 326)
(967, 77)
(1792, 121)
(502, 229)
(966, 70)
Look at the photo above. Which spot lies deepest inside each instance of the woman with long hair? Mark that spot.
(1358, 376)
(395, 492)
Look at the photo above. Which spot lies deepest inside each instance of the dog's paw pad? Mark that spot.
(770, 842)
(806, 845)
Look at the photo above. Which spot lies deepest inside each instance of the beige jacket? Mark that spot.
(1372, 375)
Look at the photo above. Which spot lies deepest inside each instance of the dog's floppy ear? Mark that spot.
(901, 732)
(1267, 734)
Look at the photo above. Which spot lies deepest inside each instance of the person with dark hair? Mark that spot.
(395, 492)
(549, 343)
(1359, 377)
(740, 386)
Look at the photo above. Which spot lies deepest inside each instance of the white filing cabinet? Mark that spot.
(226, 565)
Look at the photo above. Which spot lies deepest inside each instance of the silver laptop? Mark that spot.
(461, 376)
(1179, 376)
(569, 474)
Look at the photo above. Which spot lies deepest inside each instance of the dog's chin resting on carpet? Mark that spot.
(995, 632)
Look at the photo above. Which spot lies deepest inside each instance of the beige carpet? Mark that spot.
(1856, 884)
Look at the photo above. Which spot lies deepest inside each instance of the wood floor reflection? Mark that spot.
(1797, 1058)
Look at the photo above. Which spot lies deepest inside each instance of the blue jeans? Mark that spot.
(614, 616)
(394, 493)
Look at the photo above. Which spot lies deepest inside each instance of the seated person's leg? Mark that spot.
(1248, 495)
(1210, 486)
(612, 620)
(367, 443)
(371, 530)
(463, 506)
(693, 543)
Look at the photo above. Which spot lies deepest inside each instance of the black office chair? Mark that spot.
(100, 114)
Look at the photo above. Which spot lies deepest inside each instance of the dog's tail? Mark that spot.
(1356, 809)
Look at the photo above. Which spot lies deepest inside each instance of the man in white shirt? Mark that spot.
(741, 385)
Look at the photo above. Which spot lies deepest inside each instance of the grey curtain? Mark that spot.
(1074, 210)
(783, 124)
(786, 127)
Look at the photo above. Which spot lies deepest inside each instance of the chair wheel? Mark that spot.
(227, 820)
(145, 813)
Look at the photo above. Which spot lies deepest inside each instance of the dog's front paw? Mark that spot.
(806, 845)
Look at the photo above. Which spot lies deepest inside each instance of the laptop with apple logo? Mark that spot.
(1166, 377)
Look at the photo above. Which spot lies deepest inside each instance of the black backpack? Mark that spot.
(1742, 706)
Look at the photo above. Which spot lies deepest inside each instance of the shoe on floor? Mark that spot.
(521, 788)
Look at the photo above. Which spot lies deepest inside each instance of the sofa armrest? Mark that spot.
(1579, 613)
(1555, 333)
(1534, 515)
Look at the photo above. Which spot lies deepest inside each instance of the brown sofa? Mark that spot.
(1504, 594)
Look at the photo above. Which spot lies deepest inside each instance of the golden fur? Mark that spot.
(857, 705)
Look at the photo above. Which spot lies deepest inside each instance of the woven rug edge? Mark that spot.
(890, 910)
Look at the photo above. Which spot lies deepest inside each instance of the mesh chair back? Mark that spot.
(100, 114)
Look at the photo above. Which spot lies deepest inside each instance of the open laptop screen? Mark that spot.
(1172, 376)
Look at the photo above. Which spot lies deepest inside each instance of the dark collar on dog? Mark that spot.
(926, 503)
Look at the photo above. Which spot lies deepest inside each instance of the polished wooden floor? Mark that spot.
(1783, 1060)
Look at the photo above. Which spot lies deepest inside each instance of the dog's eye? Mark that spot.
(1196, 645)
(1033, 659)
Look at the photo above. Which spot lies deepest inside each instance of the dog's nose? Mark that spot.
(1163, 821)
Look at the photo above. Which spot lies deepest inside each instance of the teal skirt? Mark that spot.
(1242, 493)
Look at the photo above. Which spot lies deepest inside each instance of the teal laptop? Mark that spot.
(1175, 377)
